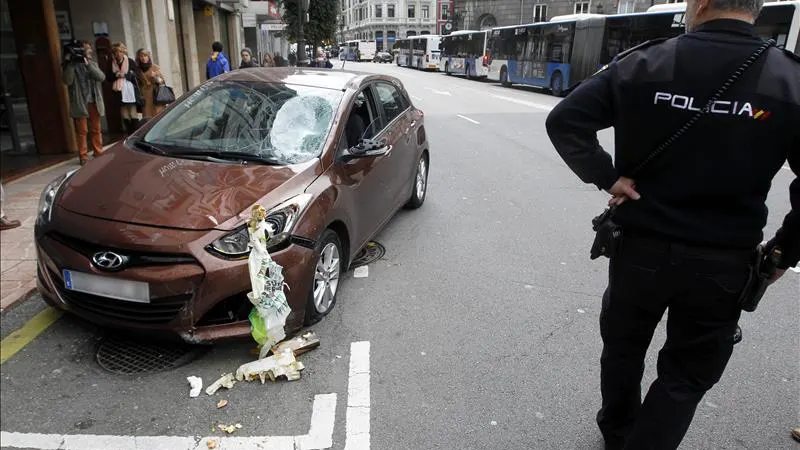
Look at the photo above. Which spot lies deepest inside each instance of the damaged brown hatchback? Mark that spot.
(152, 236)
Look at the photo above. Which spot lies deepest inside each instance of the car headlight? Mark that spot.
(282, 219)
(48, 198)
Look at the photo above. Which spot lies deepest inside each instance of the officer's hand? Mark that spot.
(622, 190)
(778, 273)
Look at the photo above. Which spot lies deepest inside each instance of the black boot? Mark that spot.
(135, 124)
(126, 124)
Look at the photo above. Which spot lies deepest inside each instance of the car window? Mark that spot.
(282, 124)
(391, 100)
(364, 121)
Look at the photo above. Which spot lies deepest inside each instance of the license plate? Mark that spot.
(131, 291)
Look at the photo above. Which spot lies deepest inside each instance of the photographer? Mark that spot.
(83, 76)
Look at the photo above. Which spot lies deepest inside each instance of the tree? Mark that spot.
(323, 17)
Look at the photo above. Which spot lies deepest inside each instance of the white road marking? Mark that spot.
(523, 102)
(438, 92)
(468, 119)
(320, 436)
(358, 395)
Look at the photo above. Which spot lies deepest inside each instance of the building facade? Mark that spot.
(179, 33)
(385, 21)
(483, 14)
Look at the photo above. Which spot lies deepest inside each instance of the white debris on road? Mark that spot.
(361, 272)
(196, 385)
(225, 381)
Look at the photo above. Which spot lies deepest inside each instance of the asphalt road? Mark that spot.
(482, 318)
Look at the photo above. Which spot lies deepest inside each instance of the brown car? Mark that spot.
(152, 236)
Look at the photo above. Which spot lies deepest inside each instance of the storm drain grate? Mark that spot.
(373, 251)
(126, 357)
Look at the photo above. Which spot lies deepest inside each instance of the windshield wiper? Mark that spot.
(239, 156)
(148, 147)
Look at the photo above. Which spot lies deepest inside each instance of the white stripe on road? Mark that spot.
(358, 394)
(467, 118)
(320, 436)
(523, 102)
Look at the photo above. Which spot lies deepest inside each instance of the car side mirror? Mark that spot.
(367, 148)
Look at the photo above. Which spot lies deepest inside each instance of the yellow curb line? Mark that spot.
(17, 340)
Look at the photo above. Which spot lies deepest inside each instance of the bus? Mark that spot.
(564, 51)
(464, 53)
(366, 50)
(419, 52)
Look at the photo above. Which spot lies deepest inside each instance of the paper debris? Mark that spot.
(299, 345)
(361, 272)
(582, 311)
(211, 443)
(225, 381)
(238, 426)
(228, 428)
(539, 415)
(494, 423)
(222, 404)
(196, 384)
(282, 364)
(422, 353)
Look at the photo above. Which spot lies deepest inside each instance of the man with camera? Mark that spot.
(703, 122)
(83, 78)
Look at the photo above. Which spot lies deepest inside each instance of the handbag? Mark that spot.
(607, 233)
(163, 95)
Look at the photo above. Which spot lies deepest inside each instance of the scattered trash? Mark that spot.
(795, 269)
(711, 404)
(211, 443)
(271, 309)
(282, 364)
(225, 381)
(494, 423)
(238, 426)
(299, 345)
(222, 404)
(422, 353)
(196, 384)
(582, 311)
(528, 286)
(338, 356)
(539, 415)
(361, 272)
(229, 428)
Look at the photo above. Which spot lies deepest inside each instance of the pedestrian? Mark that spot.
(268, 61)
(84, 78)
(124, 76)
(280, 61)
(5, 222)
(683, 226)
(292, 59)
(150, 78)
(247, 59)
(217, 63)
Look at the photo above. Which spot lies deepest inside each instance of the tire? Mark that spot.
(504, 77)
(557, 84)
(328, 259)
(419, 189)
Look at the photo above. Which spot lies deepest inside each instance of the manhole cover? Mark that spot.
(129, 358)
(373, 251)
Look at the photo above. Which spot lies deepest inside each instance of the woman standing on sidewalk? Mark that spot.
(150, 78)
(125, 81)
(5, 223)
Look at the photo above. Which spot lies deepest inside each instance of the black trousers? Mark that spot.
(700, 287)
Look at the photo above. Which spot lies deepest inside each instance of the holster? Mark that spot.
(607, 235)
(762, 267)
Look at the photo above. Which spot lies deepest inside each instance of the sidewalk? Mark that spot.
(17, 252)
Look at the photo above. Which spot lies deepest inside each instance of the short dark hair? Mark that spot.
(216, 46)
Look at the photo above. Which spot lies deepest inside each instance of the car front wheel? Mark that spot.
(420, 186)
(327, 273)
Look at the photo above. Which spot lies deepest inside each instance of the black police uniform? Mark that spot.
(687, 241)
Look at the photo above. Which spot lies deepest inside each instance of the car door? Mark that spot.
(400, 132)
(361, 180)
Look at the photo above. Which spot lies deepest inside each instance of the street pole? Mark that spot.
(302, 56)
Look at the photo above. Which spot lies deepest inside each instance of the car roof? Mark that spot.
(305, 76)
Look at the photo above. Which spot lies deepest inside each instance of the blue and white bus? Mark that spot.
(363, 50)
(419, 52)
(464, 53)
(561, 53)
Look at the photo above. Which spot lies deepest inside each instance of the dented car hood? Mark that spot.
(129, 186)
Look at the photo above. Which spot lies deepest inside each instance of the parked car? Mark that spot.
(152, 236)
(383, 57)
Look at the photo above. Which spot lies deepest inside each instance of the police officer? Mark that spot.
(693, 216)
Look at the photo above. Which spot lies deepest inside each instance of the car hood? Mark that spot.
(130, 186)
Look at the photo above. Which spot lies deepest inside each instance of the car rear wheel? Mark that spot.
(327, 273)
(420, 186)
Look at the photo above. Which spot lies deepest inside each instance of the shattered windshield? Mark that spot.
(279, 124)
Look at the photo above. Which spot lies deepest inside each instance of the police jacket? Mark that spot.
(710, 186)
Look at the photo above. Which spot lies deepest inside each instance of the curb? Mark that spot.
(11, 305)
